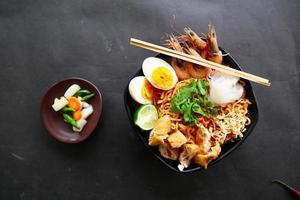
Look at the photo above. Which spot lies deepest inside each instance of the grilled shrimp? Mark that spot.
(195, 71)
(192, 52)
(173, 43)
(192, 38)
(179, 67)
(181, 71)
(215, 55)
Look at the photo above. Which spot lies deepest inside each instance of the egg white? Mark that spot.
(135, 90)
(150, 64)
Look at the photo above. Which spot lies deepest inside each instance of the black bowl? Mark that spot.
(131, 106)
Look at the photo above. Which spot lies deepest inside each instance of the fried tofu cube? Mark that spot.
(177, 139)
(204, 159)
(202, 139)
(187, 154)
(160, 132)
(155, 140)
(168, 152)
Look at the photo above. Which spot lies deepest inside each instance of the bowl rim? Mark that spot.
(82, 138)
(220, 157)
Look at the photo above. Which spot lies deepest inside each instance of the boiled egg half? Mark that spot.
(159, 73)
(141, 90)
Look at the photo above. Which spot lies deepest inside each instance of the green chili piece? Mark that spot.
(82, 93)
(67, 110)
(88, 97)
(70, 120)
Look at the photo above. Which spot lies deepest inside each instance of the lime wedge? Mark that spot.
(145, 117)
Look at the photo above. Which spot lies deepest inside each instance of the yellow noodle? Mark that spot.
(229, 124)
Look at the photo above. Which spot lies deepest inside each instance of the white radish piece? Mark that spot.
(80, 123)
(59, 103)
(85, 104)
(71, 90)
(86, 112)
(224, 89)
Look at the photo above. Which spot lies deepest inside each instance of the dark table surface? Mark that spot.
(43, 41)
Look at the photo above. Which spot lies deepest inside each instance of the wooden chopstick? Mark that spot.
(199, 61)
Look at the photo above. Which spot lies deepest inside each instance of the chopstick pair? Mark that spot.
(199, 61)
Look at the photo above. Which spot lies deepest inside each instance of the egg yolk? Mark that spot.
(162, 77)
(147, 90)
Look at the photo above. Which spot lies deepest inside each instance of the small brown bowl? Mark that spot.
(54, 122)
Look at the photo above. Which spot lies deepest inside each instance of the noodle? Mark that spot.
(163, 102)
(228, 125)
(232, 121)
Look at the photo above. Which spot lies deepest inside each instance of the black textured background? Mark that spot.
(43, 41)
